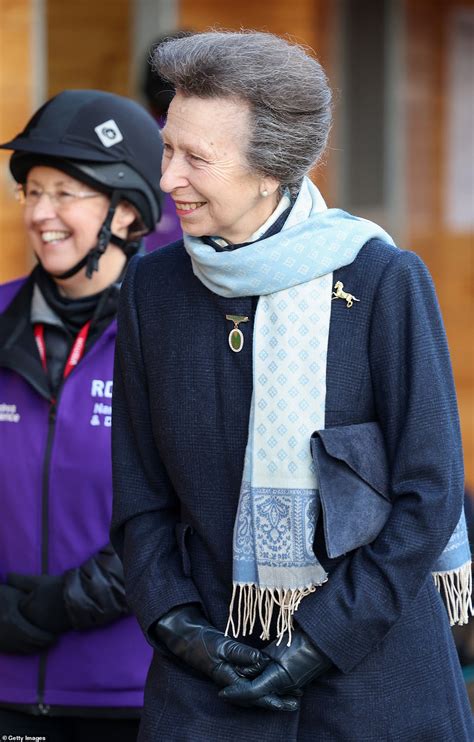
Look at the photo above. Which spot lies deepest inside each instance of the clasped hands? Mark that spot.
(32, 613)
(270, 679)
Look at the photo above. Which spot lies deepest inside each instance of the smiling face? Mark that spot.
(61, 234)
(205, 170)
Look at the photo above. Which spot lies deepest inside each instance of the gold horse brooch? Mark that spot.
(339, 293)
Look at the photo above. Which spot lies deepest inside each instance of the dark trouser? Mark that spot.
(66, 728)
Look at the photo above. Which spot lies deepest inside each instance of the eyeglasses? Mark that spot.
(30, 196)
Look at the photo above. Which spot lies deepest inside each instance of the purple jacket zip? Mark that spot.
(56, 506)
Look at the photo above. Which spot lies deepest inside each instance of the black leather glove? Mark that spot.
(290, 669)
(43, 601)
(189, 636)
(17, 635)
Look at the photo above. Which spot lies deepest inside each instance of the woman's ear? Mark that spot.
(269, 186)
(125, 215)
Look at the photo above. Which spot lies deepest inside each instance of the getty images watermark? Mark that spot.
(22, 738)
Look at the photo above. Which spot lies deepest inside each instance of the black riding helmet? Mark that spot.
(108, 142)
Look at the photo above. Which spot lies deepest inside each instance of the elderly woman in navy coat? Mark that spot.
(286, 444)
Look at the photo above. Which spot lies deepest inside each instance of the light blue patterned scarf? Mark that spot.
(274, 563)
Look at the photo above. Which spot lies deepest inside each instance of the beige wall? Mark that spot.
(16, 81)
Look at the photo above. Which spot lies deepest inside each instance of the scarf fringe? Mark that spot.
(253, 601)
(456, 586)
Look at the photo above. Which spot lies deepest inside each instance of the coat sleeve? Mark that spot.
(416, 407)
(94, 593)
(145, 507)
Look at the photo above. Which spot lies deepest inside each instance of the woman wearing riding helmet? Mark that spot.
(72, 659)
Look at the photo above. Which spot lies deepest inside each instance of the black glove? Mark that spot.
(189, 636)
(42, 602)
(17, 635)
(289, 671)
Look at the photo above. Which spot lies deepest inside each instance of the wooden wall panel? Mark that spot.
(15, 109)
(299, 19)
(424, 42)
(448, 255)
(89, 45)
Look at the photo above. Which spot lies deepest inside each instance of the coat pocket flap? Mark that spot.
(353, 482)
(362, 448)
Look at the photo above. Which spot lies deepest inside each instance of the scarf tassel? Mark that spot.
(251, 601)
(456, 586)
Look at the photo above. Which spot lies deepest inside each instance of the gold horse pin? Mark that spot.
(339, 293)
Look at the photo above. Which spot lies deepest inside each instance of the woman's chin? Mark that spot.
(194, 230)
(56, 267)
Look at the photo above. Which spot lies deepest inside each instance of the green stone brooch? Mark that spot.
(236, 338)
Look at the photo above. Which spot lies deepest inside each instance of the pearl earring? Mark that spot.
(264, 193)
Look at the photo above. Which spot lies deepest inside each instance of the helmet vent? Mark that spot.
(109, 133)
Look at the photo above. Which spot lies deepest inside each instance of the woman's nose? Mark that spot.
(45, 208)
(173, 174)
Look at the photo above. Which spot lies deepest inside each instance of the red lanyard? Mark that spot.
(76, 353)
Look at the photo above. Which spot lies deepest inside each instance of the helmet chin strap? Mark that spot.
(105, 236)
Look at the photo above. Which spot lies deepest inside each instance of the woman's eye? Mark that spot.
(33, 193)
(64, 195)
(195, 158)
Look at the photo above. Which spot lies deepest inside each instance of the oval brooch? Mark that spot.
(236, 337)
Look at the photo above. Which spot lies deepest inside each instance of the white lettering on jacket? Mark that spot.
(101, 388)
(101, 413)
(8, 413)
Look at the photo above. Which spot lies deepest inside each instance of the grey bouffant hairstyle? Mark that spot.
(286, 89)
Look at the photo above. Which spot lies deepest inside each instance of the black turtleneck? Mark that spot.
(273, 229)
(74, 313)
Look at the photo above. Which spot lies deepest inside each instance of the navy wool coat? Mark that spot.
(180, 420)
